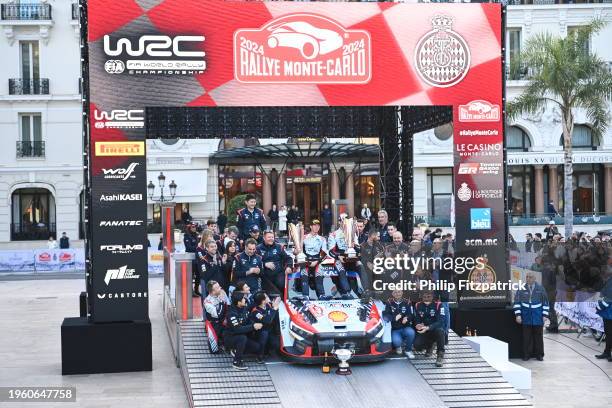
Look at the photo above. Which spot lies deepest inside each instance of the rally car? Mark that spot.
(311, 328)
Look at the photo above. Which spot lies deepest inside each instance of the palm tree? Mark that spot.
(563, 73)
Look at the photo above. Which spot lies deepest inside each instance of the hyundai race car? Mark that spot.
(310, 327)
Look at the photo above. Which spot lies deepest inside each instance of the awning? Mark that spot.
(298, 152)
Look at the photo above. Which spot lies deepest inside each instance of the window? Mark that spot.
(440, 190)
(33, 214)
(513, 46)
(29, 56)
(30, 143)
(582, 138)
(522, 199)
(517, 140)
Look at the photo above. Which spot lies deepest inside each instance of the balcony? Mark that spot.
(32, 231)
(26, 15)
(28, 149)
(543, 219)
(26, 12)
(21, 86)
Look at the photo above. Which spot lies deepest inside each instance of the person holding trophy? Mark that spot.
(343, 249)
(314, 247)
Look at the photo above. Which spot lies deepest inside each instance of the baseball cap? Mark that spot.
(254, 228)
(315, 221)
(551, 222)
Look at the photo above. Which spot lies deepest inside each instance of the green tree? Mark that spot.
(235, 204)
(563, 73)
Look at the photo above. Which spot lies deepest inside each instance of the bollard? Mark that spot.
(184, 286)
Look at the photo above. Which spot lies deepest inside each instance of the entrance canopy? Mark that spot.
(295, 152)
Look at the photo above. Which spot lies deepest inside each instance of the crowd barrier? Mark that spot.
(60, 260)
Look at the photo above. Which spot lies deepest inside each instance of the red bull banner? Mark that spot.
(194, 53)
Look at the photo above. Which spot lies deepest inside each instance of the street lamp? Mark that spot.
(161, 181)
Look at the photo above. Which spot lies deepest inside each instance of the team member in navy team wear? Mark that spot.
(276, 262)
(249, 216)
(190, 240)
(255, 233)
(400, 313)
(239, 331)
(212, 266)
(248, 266)
(265, 312)
(530, 310)
(429, 325)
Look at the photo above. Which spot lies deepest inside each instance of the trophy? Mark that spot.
(296, 232)
(343, 355)
(348, 227)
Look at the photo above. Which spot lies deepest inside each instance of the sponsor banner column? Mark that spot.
(479, 198)
(119, 240)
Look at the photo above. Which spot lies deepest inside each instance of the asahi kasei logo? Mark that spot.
(442, 57)
(302, 48)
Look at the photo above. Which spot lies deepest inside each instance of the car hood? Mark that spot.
(334, 316)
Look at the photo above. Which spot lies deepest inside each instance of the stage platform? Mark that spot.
(466, 380)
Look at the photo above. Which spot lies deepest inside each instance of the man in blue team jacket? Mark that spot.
(530, 310)
(250, 216)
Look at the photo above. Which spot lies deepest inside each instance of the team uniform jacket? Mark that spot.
(604, 309)
(403, 308)
(431, 315)
(263, 315)
(212, 268)
(246, 219)
(238, 321)
(385, 238)
(191, 242)
(242, 263)
(532, 305)
(315, 247)
(273, 253)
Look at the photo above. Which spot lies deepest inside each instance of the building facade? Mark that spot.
(41, 160)
(41, 173)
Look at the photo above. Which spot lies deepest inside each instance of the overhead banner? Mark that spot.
(178, 53)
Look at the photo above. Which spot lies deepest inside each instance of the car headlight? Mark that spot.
(299, 332)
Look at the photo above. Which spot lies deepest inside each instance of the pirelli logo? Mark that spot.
(120, 148)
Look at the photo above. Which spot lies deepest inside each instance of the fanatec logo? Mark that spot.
(121, 197)
(122, 223)
(119, 119)
(121, 249)
(123, 272)
(120, 173)
(155, 54)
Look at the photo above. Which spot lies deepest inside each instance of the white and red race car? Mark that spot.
(310, 328)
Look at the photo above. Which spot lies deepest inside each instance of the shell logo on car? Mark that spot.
(337, 316)
(302, 48)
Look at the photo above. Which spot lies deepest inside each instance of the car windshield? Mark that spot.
(294, 287)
